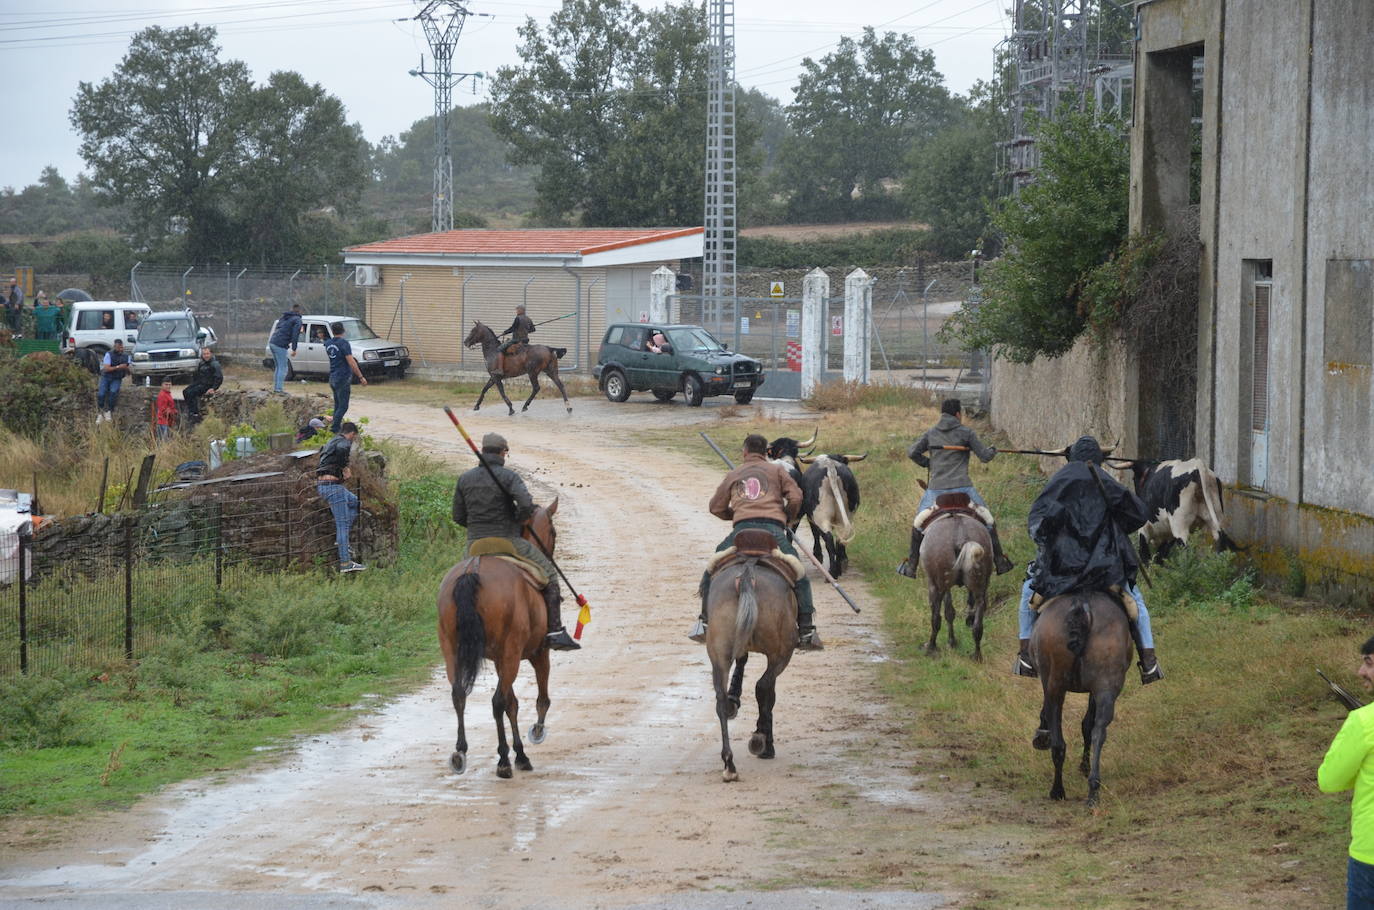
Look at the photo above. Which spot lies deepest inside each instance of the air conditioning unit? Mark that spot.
(368, 276)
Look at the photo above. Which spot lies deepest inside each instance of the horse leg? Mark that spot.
(458, 761)
(935, 595)
(978, 606)
(500, 699)
(491, 381)
(736, 685)
(1106, 710)
(766, 693)
(817, 541)
(501, 387)
(1055, 717)
(551, 371)
(1089, 718)
(534, 389)
(540, 662)
(729, 775)
(949, 617)
(842, 559)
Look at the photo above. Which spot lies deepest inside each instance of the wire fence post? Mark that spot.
(128, 588)
(23, 607)
(285, 526)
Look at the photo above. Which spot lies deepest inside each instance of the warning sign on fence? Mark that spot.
(775, 289)
(836, 325)
(793, 323)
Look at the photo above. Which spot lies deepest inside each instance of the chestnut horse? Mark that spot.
(495, 612)
(752, 608)
(1081, 643)
(957, 550)
(527, 360)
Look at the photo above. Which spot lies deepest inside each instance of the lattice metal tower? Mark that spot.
(442, 21)
(718, 265)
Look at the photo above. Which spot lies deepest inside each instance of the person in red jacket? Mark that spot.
(165, 410)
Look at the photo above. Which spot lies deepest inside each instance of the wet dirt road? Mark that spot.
(625, 806)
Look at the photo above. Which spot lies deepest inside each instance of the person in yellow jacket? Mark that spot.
(1349, 764)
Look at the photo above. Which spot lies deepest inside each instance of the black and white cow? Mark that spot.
(830, 497)
(1179, 496)
(786, 451)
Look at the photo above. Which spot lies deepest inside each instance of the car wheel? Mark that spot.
(744, 397)
(692, 390)
(665, 394)
(617, 388)
(100, 349)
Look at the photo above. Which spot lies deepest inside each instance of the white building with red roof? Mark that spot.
(427, 290)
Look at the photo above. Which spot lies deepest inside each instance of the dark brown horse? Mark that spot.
(526, 360)
(752, 608)
(1081, 643)
(957, 550)
(495, 612)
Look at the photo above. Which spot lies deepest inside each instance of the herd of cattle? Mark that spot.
(1179, 497)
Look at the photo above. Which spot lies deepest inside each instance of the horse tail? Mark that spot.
(746, 611)
(970, 554)
(472, 637)
(559, 352)
(843, 527)
(1079, 624)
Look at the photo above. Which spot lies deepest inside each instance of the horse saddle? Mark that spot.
(1124, 600)
(502, 548)
(952, 504)
(755, 543)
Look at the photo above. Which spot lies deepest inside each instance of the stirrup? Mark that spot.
(560, 640)
(1150, 674)
(1023, 667)
(905, 570)
(698, 633)
(808, 639)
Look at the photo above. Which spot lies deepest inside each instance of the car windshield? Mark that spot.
(355, 330)
(693, 339)
(166, 330)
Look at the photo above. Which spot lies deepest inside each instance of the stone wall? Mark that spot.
(134, 412)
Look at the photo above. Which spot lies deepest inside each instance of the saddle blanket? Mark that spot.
(501, 548)
(1124, 600)
(790, 567)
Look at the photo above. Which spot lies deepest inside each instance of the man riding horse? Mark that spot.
(761, 494)
(949, 474)
(1082, 524)
(480, 506)
(519, 330)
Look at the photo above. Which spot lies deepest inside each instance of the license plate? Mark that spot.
(391, 363)
(742, 384)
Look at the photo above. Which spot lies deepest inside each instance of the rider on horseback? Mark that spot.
(1081, 524)
(519, 330)
(949, 474)
(481, 507)
(761, 494)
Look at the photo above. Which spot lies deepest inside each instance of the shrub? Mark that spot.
(36, 712)
(32, 387)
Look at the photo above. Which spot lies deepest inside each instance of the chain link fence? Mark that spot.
(240, 303)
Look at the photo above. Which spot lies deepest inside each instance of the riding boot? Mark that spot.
(558, 638)
(999, 559)
(698, 633)
(907, 567)
(808, 639)
(1149, 666)
(1023, 665)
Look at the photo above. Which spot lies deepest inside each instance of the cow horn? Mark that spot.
(812, 440)
(804, 460)
(810, 450)
(850, 459)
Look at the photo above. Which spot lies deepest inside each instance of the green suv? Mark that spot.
(692, 362)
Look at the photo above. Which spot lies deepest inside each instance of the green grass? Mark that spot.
(280, 655)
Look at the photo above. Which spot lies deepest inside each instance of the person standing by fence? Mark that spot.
(113, 368)
(45, 315)
(208, 377)
(342, 369)
(286, 334)
(330, 479)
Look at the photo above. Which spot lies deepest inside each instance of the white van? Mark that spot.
(95, 324)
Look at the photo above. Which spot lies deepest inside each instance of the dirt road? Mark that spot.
(625, 806)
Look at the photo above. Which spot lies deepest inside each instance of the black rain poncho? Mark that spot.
(1082, 530)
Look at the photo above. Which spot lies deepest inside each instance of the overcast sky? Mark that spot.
(362, 50)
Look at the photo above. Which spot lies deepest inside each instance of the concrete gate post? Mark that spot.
(661, 283)
(858, 326)
(815, 294)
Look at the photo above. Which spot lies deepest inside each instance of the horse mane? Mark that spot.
(1078, 623)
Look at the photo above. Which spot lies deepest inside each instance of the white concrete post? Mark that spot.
(661, 283)
(858, 325)
(815, 294)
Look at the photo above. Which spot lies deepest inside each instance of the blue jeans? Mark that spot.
(342, 388)
(1359, 885)
(107, 393)
(279, 377)
(1026, 616)
(928, 498)
(344, 505)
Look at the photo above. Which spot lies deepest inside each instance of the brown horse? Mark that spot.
(495, 612)
(1081, 643)
(752, 608)
(957, 550)
(527, 359)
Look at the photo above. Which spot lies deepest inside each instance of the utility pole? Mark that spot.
(442, 21)
(718, 264)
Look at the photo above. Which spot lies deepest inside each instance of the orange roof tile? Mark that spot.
(533, 242)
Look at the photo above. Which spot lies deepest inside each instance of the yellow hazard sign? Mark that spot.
(775, 289)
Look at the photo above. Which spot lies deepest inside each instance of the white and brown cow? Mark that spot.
(1179, 496)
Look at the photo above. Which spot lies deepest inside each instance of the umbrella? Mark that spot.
(74, 295)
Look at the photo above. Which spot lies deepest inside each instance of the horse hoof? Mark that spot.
(932, 650)
(978, 656)
(458, 761)
(1057, 793)
(569, 410)
(757, 743)
(505, 773)
(524, 764)
(538, 733)
(768, 752)
(1041, 740)
(729, 776)
(733, 708)
(477, 407)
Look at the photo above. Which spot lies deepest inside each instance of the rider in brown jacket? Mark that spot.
(761, 494)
